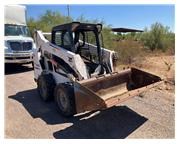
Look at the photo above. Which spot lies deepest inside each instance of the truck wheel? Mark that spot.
(32, 65)
(65, 100)
(46, 86)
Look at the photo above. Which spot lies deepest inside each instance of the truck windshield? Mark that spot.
(16, 30)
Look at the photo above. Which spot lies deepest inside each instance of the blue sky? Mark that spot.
(130, 16)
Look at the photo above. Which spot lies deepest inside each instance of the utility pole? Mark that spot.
(68, 9)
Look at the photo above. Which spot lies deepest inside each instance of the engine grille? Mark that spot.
(21, 46)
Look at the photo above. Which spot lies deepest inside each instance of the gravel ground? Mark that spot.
(150, 115)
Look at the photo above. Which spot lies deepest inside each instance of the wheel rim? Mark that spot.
(62, 100)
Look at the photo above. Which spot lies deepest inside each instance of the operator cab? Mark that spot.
(82, 39)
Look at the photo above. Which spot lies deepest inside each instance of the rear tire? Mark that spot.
(46, 86)
(32, 65)
(65, 100)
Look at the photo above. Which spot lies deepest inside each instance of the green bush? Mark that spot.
(158, 37)
(46, 21)
(128, 51)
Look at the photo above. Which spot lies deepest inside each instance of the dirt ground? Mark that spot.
(150, 115)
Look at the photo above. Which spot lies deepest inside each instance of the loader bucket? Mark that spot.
(108, 90)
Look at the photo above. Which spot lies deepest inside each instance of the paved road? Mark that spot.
(26, 116)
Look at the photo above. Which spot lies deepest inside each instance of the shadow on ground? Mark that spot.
(17, 68)
(37, 108)
(113, 123)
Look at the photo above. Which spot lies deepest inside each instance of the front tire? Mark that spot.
(32, 65)
(46, 86)
(65, 100)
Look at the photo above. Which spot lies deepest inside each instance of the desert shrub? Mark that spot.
(128, 51)
(108, 37)
(158, 37)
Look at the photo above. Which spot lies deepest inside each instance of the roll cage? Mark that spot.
(68, 35)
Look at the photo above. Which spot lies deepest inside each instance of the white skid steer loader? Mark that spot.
(81, 76)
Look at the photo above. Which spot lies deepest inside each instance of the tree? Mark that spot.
(47, 20)
(32, 25)
(158, 37)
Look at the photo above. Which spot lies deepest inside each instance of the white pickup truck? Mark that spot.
(19, 45)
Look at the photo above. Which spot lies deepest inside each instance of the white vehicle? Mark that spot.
(19, 45)
(80, 76)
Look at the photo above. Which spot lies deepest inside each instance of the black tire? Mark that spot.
(46, 85)
(32, 65)
(65, 100)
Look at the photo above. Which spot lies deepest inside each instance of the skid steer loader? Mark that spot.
(80, 74)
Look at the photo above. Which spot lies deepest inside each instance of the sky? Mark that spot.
(129, 16)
